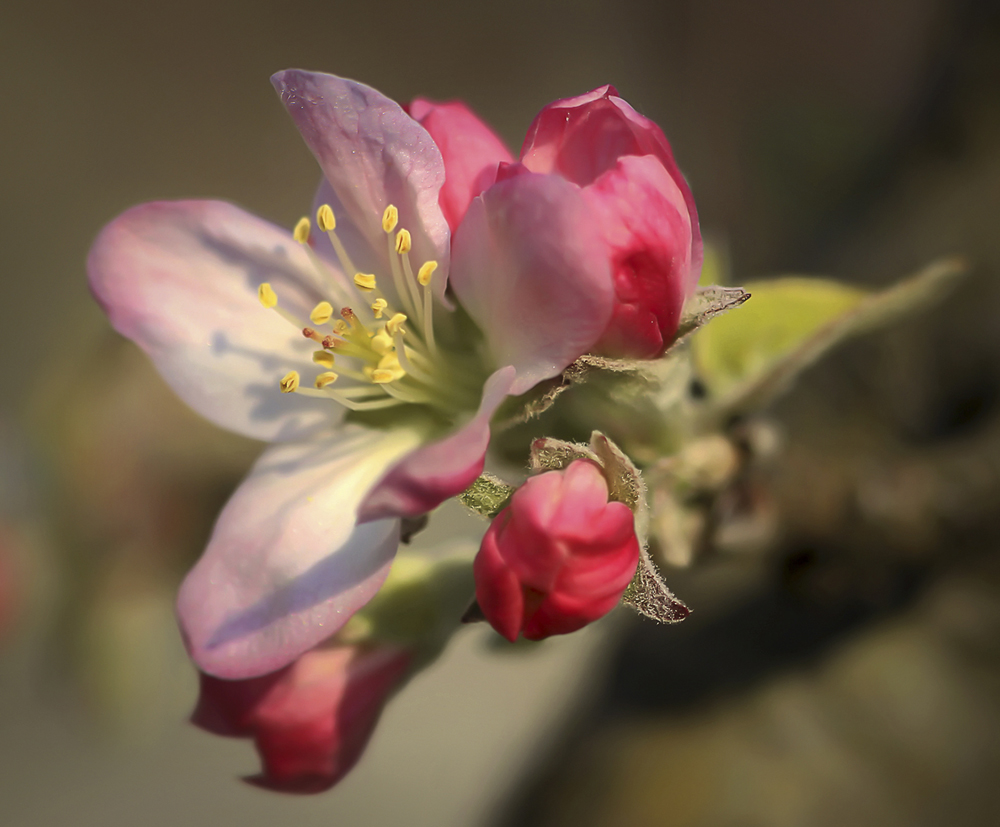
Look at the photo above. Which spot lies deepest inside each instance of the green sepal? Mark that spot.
(419, 606)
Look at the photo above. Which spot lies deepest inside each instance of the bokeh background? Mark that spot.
(849, 672)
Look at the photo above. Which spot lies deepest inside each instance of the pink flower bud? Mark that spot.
(311, 720)
(626, 168)
(558, 557)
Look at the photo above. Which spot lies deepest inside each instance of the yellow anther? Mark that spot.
(301, 231)
(426, 271)
(381, 343)
(341, 328)
(365, 281)
(325, 218)
(325, 379)
(388, 370)
(403, 241)
(390, 218)
(324, 358)
(396, 323)
(322, 313)
(379, 306)
(290, 382)
(267, 296)
(390, 362)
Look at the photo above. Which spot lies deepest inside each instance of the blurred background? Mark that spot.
(842, 664)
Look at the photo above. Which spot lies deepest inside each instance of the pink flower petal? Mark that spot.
(311, 720)
(373, 154)
(180, 279)
(531, 268)
(648, 230)
(431, 474)
(471, 153)
(581, 138)
(554, 127)
(287, 565)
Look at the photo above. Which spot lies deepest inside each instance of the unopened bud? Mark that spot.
(558, 557)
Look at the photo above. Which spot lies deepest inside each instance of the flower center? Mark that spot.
(376, 349)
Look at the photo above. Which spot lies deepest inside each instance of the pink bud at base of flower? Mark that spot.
(310, 721)
(558, 557)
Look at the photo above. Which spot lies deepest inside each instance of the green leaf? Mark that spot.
(749, 356)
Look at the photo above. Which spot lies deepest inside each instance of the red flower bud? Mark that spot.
(311, 720)
(627, 171)
(558, 557)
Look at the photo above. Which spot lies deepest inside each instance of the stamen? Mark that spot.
(390, 362)
(354, 351)
(359, 376)
(309, 333)
(327, 279)
(382, 342)
(329, 393)
(379, 307)
(321, 357)
(325, 219)
(324, 379)
(429, 321)
(396, 323)
(301, 231)
(290, 382)
(426, 271)
(322, 313)
(390, 218)
(398, 280)
(363, 406)
(327, 222)
(404, 360)
(268, 298)
(387, 370)
(403, 241)
(365, 281)
(411, 286)
(405, 395)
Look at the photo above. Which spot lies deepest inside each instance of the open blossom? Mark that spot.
(355, 319)
(311, 720)
(386, 394)
(558, 557)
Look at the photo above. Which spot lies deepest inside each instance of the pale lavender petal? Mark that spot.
(287, 565)
(373, 154)
(430, 475)
(180, 279)
(531, 268)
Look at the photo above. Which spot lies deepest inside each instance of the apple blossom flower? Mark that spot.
(648, 219)
(311, 720)
(558, 557)
(386, 393)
